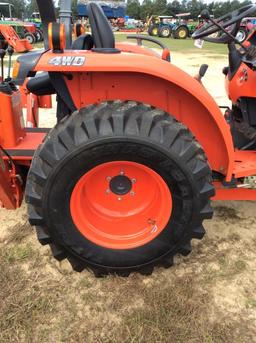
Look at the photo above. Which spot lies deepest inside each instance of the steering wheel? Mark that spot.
(232, 20)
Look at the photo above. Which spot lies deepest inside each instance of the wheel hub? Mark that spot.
(120, 185)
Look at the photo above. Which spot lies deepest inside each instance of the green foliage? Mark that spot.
(162, 7)
(18, 8)
(137, 10)
(32, 7)
(133, 9)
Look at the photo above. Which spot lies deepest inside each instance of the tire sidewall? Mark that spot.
(31, 37)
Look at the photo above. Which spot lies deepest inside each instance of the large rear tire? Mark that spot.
(119, 187)
(153, 30)
(164, 31)
(39, 35)
(30, 38)
(182, 32)
(242, 34)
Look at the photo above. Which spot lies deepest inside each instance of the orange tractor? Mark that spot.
(125, 179)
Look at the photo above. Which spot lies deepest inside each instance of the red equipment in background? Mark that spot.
(12, 39)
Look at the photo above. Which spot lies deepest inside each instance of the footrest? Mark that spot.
(245, 163)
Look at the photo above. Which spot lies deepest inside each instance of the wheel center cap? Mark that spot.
(120, 185)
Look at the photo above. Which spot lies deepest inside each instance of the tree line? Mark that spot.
(24, 8)
(162, 7)
(137, 10)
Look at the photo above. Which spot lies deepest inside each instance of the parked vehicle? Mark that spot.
(180, 27)
(124, 181)
(160, 25)
(247, 25)
(183, 27)
(36, 20)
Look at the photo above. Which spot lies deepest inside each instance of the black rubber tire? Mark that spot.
(153, 30)
(39, 35)
(30, 37)
(179, 29)
(3, 43)
(118, 131)
(242, 34)
(164, 31)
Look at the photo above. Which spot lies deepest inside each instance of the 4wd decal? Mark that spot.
(75, 61)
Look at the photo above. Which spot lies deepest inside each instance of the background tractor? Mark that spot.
(183, 27)
(160, 25)
(180, 27)
(124, 180)
(36, 20)
(246, 26)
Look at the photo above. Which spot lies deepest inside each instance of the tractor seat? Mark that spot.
(83, 42)
(102, 33)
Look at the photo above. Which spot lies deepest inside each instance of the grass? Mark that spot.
(173, 314)
(180, 45)
(22, 302)
(40, 303)
(175, 45)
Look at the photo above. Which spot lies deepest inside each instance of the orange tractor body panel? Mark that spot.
(161, 84)
(11, 121)
(242, 84)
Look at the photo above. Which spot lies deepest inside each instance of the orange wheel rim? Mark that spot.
(121, 205)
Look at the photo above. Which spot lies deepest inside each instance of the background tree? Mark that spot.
(146, 9)
(160, 7)
(31, 7)
(18, 9)
(133, 9)
(174, 7)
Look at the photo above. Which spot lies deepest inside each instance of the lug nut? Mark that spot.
(134, 180)
(107, 191)
(122, 172)
(119, 199)
(108, 178)
(132, 193)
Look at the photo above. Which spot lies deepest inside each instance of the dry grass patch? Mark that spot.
(207, 297)
(19, 232)
(22, 302)
(176, 312)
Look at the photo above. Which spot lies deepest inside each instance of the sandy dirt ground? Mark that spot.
(207, 297)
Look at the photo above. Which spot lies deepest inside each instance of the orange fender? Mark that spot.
(147, 79)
